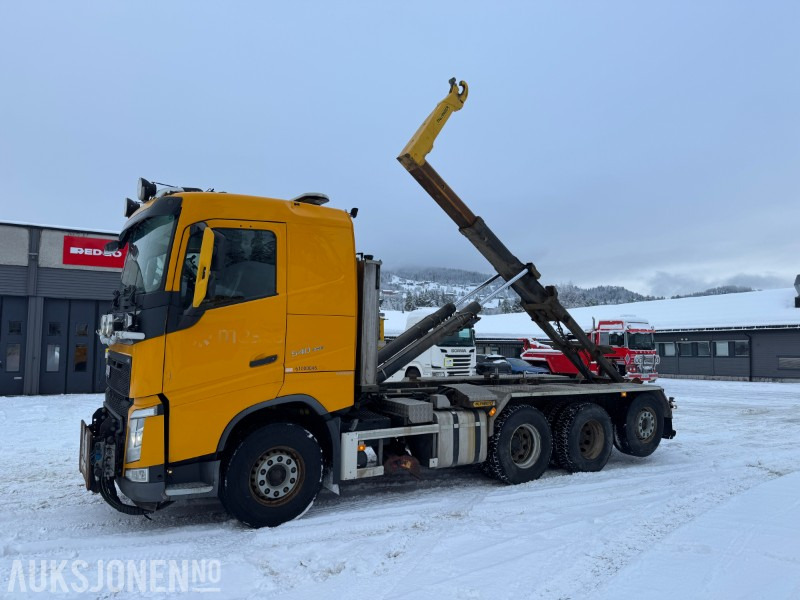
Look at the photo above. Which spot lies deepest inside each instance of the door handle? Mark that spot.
(266, 360)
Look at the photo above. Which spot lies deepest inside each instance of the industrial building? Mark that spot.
(54, 285)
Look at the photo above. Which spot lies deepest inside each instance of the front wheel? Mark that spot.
(273, 475)
(520, 448)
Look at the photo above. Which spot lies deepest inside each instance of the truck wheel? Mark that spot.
(551, 413)
(640, 432)
(583, 437)
(520, 448)
(273, 475)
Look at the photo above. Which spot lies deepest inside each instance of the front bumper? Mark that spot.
(151, 492)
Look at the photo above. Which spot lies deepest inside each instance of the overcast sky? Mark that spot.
(651, 145)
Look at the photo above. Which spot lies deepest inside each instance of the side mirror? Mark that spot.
(203, 267)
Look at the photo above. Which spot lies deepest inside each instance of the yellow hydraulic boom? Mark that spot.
(540, 302)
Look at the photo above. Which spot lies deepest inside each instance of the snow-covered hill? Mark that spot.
(408, 289)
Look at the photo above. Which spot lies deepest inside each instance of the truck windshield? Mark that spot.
(148, 251)
(641, 341)
(465, 337)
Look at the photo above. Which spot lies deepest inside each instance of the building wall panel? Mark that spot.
(768, 346)
(13, 245)
(13, 280)
(732, 366)
(69, 283)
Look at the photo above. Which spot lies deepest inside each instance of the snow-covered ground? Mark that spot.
(714, 513)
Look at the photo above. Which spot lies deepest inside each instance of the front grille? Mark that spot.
(118, 373)
(648, 363)
(117, 403)
(459, 364)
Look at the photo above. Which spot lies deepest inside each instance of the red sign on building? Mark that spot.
(91, 252)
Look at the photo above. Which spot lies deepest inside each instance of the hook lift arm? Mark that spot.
(540, 302)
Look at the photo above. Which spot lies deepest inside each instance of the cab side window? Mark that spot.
(616, 339)
(243, 266)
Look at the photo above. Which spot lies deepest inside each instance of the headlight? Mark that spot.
(133, 452)
(107, 325)
(133, 449)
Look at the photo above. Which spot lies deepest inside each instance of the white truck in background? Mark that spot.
(453, 357)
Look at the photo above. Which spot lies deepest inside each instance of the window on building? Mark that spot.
(789, 362)
(741, 348)
(82, 329)
(722, 348)
(703, 348)
(53, 328)
(81, 358)
(685, 349)
(15, 328)
(53, 358)
(12, 358)
(666, 349)
(243, 270)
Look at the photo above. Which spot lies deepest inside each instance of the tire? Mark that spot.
(583, 438)
(412, 372)
(273, 475)
(487, 470)
(639, 432)
(520, 448)
(551, 413)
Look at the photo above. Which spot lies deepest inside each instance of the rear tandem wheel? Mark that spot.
(582, 437)
(519, 450)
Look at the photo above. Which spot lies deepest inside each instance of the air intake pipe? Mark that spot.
(463, 318)
(415, 332)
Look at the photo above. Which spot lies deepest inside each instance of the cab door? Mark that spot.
(228, 353)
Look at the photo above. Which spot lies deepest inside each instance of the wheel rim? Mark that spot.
(276, 476)
(526, 446)
(591, 439)
(645, 424)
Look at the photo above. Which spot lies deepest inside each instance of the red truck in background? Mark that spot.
(630, 341)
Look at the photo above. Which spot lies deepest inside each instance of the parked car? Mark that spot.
(491, 364)
(520, 366)
(501, 365)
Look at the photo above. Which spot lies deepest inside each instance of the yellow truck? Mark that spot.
(244, 362)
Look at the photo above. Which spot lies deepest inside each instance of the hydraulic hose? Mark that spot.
(109, 493)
